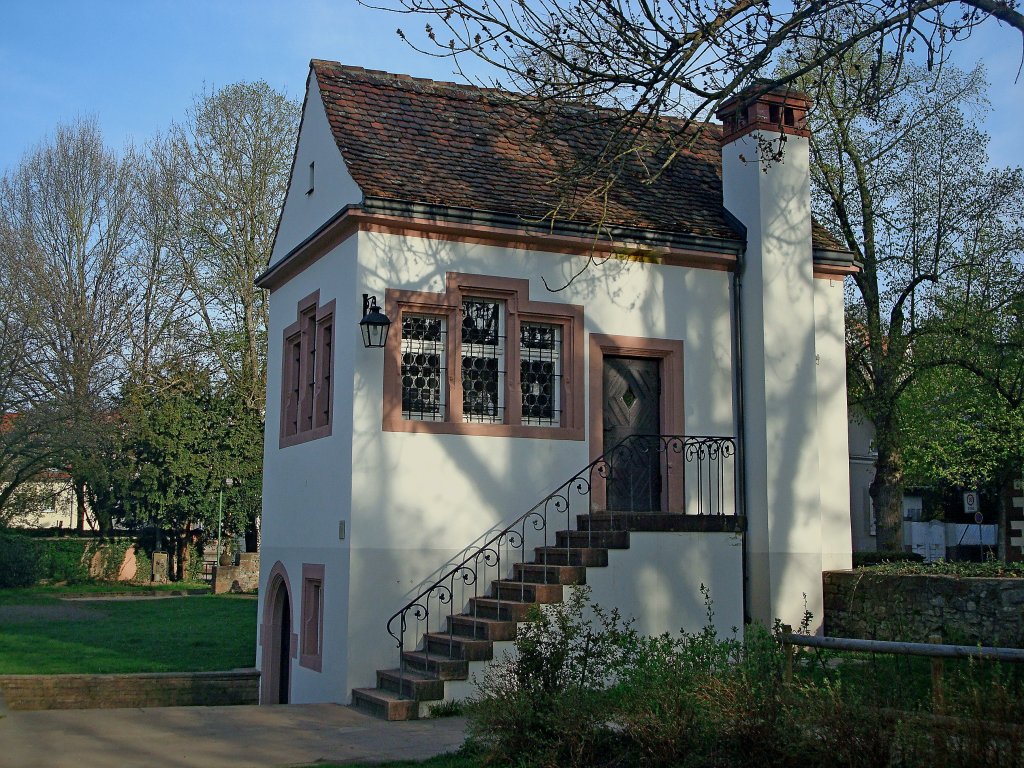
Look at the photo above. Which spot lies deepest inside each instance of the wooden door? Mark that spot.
(632, 406)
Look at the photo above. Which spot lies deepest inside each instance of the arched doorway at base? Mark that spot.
(275, 677)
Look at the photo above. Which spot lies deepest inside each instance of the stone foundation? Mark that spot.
(967, 611)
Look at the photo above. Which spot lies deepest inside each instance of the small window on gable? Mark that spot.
(482, 358)
(306, 371)
(311, 631)
(312, 178)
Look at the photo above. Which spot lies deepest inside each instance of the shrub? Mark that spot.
(864, 559)
(549, 703)
(20, 564)
(143, 566)
(65, 560)
(592, 692)
(993, 569)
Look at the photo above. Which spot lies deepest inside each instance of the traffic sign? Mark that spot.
(970, 503)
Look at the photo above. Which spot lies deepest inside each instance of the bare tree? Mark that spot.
(900, 174)
(230, 160)
(25, 450)
(648, 58)
(161, 303)
(66, 213)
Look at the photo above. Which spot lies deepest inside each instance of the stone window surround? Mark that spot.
(311, 628)
(309, 312)
(515, 293)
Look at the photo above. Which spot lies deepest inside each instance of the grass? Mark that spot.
(42, 634)
(51, 594)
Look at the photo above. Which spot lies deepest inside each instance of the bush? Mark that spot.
(993, 569)
(550, 701)
(592, 692)
(20, 564)
(65, 560)
(143, 566)
(863, 559)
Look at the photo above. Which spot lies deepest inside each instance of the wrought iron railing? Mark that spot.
(682, 474)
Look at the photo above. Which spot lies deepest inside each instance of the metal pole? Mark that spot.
(220, 516)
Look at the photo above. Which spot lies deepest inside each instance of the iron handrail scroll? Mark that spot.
(643, 473)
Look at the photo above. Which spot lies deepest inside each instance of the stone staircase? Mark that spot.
(445, 658)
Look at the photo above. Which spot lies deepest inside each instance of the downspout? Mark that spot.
(738, 408)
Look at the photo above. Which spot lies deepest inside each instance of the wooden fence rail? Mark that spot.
(933, 649)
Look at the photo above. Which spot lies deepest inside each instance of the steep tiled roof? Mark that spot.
(421, 141)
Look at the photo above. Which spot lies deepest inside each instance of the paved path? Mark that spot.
(216, 737)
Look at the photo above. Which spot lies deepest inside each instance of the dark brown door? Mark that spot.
(632, 397)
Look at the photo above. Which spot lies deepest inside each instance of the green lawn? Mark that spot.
(42, 634)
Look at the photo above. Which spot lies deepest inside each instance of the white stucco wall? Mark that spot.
(784, 542)
(333, 189)
(418, 499)
(307, 487)
(833, 440)
(657, 581)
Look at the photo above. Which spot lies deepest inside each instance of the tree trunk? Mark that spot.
(80, 505)
(1006, 494)
(887, 499)
(186, 544)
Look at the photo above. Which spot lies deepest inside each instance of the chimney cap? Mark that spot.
(765, 106)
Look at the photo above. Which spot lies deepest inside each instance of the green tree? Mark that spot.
(900, 175)
(183, 438)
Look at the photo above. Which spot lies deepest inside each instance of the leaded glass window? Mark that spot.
(540, 373)
(423, 367)
(483, 361)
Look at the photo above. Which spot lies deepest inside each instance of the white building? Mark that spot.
(523, 348)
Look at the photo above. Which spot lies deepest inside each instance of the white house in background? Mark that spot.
(523, 347)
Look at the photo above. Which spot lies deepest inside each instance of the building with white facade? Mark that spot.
(640, 387)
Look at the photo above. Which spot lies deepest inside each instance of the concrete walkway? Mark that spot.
(217, 737)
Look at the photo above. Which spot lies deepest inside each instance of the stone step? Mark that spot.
(384, 704)
(410, 684)
(502, 610)
(549, 574)
(609, 539)
(526, 592)
(590, 557)
(482, 629)
(661, 522)
(458, 647)
(440, 666)
(611, 521)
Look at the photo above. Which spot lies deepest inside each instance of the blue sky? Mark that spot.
(136, 65)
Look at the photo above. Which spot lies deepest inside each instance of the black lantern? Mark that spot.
(375, 324)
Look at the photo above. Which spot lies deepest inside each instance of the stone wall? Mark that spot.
(169, 689)
(910, 608)
(243, 576)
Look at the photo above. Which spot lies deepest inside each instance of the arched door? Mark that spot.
(276, 671)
